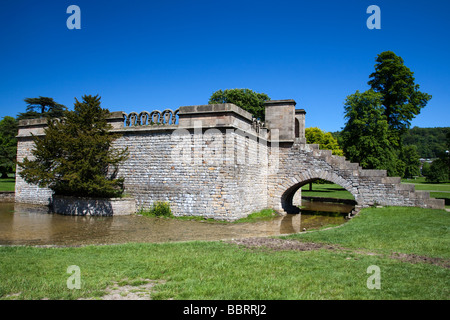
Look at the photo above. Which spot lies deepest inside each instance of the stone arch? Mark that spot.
(286, 190)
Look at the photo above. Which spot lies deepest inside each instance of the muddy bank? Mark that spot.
(276, 244)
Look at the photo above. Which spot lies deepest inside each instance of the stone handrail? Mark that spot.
(145, 118)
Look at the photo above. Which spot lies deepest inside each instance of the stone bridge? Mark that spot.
(217, 161)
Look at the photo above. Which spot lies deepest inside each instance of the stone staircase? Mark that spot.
(372, 187)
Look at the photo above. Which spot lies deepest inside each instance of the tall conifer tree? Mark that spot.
(75, 156)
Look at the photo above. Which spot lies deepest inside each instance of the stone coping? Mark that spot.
(215, 108)
(285, 102)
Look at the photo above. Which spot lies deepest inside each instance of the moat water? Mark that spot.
(22, 224)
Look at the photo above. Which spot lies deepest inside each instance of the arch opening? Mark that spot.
(319, 195)
(297, 128)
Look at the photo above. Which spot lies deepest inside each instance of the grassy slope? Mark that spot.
(392, 229)
(217, 270)
(7, 184)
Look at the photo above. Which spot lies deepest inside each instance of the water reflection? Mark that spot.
(22, 224)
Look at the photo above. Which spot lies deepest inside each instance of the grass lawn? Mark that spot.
(219, 270)
(7, 184)
(326, 191)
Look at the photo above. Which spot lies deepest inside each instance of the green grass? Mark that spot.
(7, 184)
(265, 214)
(326, 191)
(403, 229)
(422, 180)
(433, 187)
(218, 270)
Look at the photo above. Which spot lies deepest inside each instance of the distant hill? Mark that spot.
(430, 142)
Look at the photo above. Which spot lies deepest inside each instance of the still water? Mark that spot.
(22, 224)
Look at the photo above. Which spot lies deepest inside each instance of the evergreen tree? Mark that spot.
(401, 98)
(75, 157)
(42, 107)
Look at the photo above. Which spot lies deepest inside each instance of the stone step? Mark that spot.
(373, 173)
(435, 203)
(335, 160)
(406, 187)
(419, 194)
(354, 166)
(326, 154)
(392, 180)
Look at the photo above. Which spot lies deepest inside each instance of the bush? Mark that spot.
(158, 209)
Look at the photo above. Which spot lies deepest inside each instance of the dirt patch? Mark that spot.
(412, 258)
(280, 244)
(130, 292)
(274, 244)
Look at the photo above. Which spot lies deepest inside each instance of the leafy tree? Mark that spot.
(246, 99)
(401, 98)
(426, 169)
(8, 145)
(325, 140)
(365, 137)
(438, 171)
(75, 157)
(42, 107)
(410, 158)
(377, 118)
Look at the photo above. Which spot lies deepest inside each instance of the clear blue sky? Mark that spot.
(147, 55)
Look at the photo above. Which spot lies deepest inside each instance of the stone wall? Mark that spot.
(213, 163)
(7, 196)
(28, 193)
(217, 161)
(94, 207)
(211, 173)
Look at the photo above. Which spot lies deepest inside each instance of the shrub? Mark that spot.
(158, 209)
